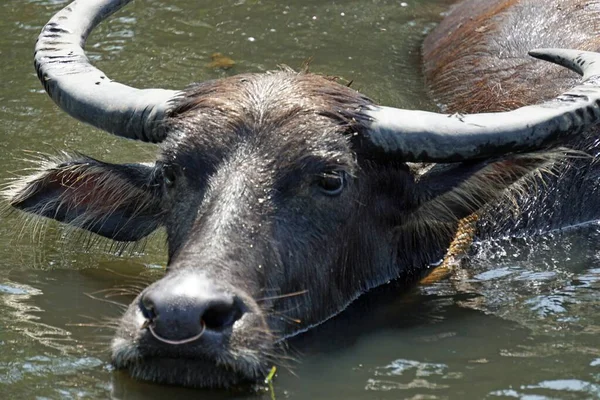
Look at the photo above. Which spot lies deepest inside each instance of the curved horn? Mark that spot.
(421, 136)
(84, 91)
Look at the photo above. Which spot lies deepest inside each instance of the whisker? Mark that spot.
(108, 290)
(142, 279)
(121, 306)
(104, 322)
(121, 293)
(91, 325)
(283, 296)
(286, 318)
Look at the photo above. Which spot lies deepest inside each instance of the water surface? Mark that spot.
(522, 321)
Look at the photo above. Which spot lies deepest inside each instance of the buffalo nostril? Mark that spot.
(147, 308)
(222, 315)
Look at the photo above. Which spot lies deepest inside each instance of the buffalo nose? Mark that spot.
(183, 309)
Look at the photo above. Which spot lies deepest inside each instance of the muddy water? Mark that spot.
(523, 321)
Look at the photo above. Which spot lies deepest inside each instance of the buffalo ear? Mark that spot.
(450, 192)
(120, 202)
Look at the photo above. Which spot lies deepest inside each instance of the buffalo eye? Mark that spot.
(331, 183)
(169, 175)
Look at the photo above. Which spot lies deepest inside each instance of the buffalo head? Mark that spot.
(284, 195)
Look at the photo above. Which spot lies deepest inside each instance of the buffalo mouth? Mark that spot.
(237, 362)
(189, 372)
(186, 369)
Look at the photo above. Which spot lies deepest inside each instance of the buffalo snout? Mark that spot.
(190, 308)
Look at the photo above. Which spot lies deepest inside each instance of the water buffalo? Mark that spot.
(473, 62)
(286, 195)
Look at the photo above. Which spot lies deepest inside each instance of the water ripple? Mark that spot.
(556, 389)
(413, 372)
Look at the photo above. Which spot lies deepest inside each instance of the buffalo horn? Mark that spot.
(84, 91)
(420, 136)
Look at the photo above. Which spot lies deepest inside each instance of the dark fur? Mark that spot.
(237, 187)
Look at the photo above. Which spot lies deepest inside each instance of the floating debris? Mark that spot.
(220, 61)
(271, 375)
(269, 382)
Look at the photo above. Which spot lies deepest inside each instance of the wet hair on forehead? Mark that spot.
(260, 93)
(286, 118)
(255, 103)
